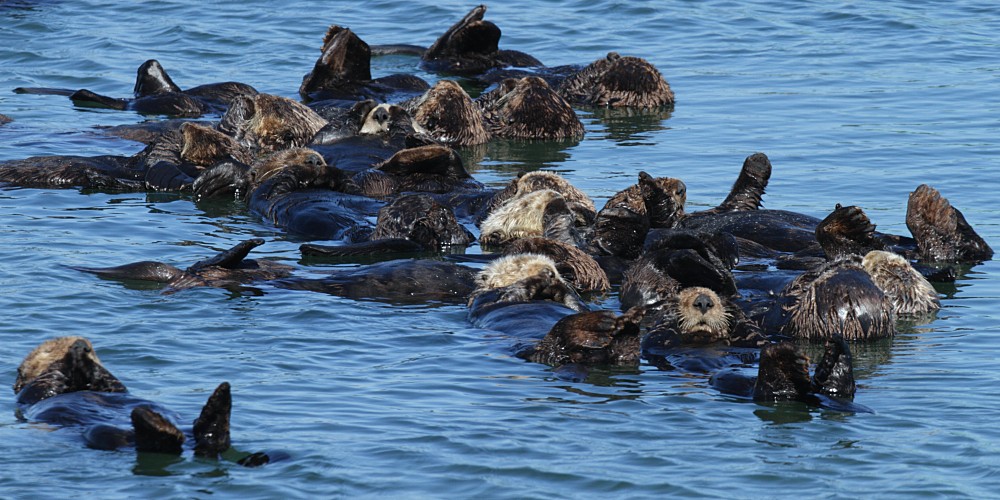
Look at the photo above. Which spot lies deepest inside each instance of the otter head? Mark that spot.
(388, 120)
(204, 146)
(266, 123)
(72, 359)
(309, 166)
(448, 114)
(510, 269)
(664, 198)
(538, 213)
(616, 81)
(909, 291)
(529, 109)
(702, 316)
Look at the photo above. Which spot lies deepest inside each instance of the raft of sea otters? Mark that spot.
(358, 147)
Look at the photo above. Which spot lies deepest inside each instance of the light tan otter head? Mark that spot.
(908, 290)
(448, 114)
(41, 359)
(510, 269)
(702, 315)
(526, 216)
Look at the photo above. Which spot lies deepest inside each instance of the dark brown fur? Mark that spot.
(266, 123)
(576, 267)
(591, 338)
(448, 114)
(529, 109)
(941, 231)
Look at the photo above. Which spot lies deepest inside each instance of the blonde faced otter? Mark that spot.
(909, 291)
(538, 213)
(63, 382)
(575, 265)
(617, 81)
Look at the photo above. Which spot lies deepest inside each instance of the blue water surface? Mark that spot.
(854, 103)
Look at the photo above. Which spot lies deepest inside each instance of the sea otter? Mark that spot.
(576, 200)
(615, 81)
(528, 109)
(621, 226)
(471, 47)
(574, 265)
(412, 223)
(62, 382)
(343, 72)
(228, 269)
(265, 123)
(696, 330)
(171, 162)
(783, 375)
(591, 338)
(522, 296)
(156, 94)
(5, 119)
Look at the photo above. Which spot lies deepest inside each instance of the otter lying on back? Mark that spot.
(63, 382)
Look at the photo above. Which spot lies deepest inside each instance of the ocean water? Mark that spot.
(854, 103)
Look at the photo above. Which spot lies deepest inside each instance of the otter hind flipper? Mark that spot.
(834, 375)
(229, 259)
(748, 190)
(211, 428)
(91, 99)
(154, 433)
(44, 91)
(941, 231)
(151, 79)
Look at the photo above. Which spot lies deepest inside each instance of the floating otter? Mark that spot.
(156, 94)
(576, 200)
(5, 119)
(592, 338)
(471, 47)
(528, 109)
(409, 224)
(229, 269)
(783, 375)
(343, 71)
(63, 382)
(838, 297)
(615, 81)
(448, 114)
(621, 226)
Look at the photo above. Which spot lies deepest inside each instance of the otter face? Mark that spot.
(908, 290)
(702, 315)
(448, 115)
(70, 359)
(529, 109)
(311, 163)
(510, 269)
(664, 198)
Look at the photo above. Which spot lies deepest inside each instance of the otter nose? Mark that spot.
(381, 115)
(703, 303)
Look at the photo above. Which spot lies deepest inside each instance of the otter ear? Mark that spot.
(361, 109)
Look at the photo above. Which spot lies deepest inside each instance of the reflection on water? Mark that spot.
(631, 127)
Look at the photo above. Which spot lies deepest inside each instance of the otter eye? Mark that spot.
(680, 191)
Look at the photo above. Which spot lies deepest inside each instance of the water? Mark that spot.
(854, 103)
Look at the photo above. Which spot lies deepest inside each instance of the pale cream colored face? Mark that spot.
(42, 357)
(510, 269)
(702, 314)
